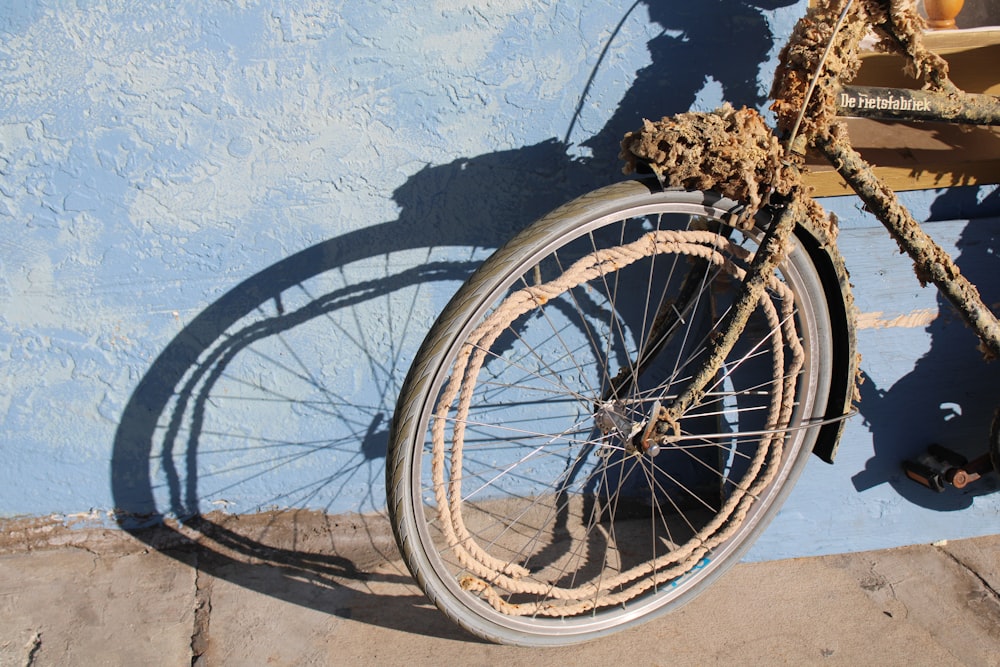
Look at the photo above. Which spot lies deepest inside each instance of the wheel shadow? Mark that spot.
(277, 397)
(264, 422)
(950, 395)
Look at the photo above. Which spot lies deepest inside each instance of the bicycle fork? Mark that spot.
(663, 424)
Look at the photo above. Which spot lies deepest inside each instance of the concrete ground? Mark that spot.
(307, 590)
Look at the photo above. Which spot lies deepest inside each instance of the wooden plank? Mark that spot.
(917, 156)
(972, 57)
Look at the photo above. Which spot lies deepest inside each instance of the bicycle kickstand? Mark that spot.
(940, 467)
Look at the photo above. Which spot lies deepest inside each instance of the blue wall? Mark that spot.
(229, 224)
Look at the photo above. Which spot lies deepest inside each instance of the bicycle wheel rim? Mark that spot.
(441, 577)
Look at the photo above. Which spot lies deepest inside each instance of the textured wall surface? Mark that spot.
(228, 225)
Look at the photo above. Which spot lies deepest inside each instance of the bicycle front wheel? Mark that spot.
(520, 499)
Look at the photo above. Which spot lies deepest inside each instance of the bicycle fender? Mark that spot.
(829, 263)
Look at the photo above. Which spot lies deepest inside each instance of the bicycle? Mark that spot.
(610, 410)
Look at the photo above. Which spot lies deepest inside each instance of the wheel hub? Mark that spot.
(620, 431)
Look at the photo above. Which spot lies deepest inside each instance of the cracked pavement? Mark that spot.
(104, 597)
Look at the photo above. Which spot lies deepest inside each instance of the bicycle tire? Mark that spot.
(527, 524)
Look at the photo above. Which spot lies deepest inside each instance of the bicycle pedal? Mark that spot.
(924, 475)
(931, 468)
(939, 467)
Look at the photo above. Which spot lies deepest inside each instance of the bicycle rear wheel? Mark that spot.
(520, 501)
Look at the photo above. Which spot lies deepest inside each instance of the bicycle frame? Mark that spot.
(943, 103)
(931, 262)
(738, 240)
(916, 105)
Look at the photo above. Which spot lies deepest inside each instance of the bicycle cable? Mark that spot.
(593, 72)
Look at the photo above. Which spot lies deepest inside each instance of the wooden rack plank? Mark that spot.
(916, 156)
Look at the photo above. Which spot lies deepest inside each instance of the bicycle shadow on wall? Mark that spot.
(267, 416)
(919, 409)
(263, 425)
